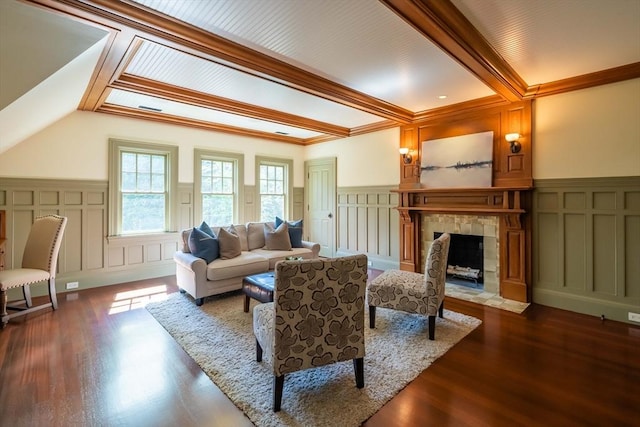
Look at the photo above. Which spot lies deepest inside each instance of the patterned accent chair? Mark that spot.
(39, 262)
(316, 318)
(413, 292)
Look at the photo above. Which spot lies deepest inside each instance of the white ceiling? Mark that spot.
(383, 69)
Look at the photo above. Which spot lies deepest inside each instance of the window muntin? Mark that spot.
(217, 191)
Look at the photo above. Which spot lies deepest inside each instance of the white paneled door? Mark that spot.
(320, 195)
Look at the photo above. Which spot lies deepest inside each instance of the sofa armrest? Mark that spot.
(191, 262)
(314, 247)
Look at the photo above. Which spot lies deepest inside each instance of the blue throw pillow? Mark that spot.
(203, 245)
(205, 227)
(295, 231)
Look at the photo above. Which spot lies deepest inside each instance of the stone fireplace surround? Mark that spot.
(479, 225)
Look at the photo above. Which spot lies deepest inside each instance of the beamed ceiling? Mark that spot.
(307, 71)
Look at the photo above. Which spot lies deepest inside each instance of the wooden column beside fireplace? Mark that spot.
(510, 205)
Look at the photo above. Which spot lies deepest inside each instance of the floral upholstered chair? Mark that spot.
(413, 292)
(316, 318)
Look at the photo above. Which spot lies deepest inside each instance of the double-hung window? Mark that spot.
(275, 186)
(142, 187)
(218, 187)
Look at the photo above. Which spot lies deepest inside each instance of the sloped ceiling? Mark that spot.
(307, 71)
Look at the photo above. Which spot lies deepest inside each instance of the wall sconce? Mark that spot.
(512, 138)
(406, 157)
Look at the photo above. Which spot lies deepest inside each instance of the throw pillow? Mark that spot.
(229, 244)
(278, 239)
(295, 231)
(205, 227)
(203, 245)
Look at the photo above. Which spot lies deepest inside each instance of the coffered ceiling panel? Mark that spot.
(548, 40)
(361, 44)
(167, 65)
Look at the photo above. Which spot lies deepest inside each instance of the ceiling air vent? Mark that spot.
(282, 133)
(144, 107)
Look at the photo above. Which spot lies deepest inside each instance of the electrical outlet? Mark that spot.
(634, 317)
(72, 285)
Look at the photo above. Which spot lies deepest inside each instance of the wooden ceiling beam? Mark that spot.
(146, 21)
(166, 91)
(442, 23)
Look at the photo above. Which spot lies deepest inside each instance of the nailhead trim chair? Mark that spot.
(39, 262)
(413, 292)
(317, 318)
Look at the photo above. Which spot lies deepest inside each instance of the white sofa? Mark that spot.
(201, 280)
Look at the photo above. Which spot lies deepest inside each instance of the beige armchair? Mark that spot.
(39, 262)
(317, 318)
(413, 292)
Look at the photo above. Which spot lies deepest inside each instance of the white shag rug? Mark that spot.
(219, 336)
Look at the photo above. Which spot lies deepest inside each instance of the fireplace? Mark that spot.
(465, 262)
(481, 233)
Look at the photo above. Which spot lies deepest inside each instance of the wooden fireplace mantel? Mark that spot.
(511, 205)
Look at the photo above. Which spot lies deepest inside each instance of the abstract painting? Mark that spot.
(464, 161)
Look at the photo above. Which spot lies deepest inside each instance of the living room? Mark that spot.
(584, 151)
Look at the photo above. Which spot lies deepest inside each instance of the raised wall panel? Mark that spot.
(168, 249)
(153, 252)
(632, 256)
(96, 232)
(49, 198)
(116, 256)
(95, 198)
(135, 254)
(23, 198)
(73, 198)
(632, 200)
(605, 277)
(575, 251)
(547, 264)
(71, 250)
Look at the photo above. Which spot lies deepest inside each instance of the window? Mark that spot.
(275, 184)
(142, 185)
(218, 186)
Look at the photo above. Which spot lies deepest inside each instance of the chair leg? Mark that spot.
(432, 327)
(372, 316)
(278, 385)
(26, 292)
(358, 367)
(441, 310)
(258, 352)
(246, 303)
(3, 308)
(52, 293)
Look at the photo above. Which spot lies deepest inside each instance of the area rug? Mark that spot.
(219, 336)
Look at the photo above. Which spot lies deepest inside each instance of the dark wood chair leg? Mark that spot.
(358, 367)
(26, 291)
(441, 310)
(246, 303)
(258, 352)
(372, 316)
(432, 327)
(278, 385)
(52, 293)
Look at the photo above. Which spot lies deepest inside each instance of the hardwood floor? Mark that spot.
(101, 360)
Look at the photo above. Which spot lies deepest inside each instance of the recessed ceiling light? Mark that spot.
(442, 97)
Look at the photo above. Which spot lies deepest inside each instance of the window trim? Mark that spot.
(116, 147)
(288, 198)
(238, 160)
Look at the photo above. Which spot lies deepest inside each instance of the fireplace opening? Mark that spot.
(465, 265)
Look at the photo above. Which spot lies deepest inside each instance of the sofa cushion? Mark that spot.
(229, 244)
(278, 239)
(241, 231)
(203, 245)
(295, 231)
(255, 235)
(275, 256)
(246, 264)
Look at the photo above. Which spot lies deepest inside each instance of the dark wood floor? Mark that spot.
(101, 360)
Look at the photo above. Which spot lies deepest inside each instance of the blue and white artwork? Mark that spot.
(464, 161)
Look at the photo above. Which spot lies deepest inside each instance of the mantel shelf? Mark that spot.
(459, 209)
